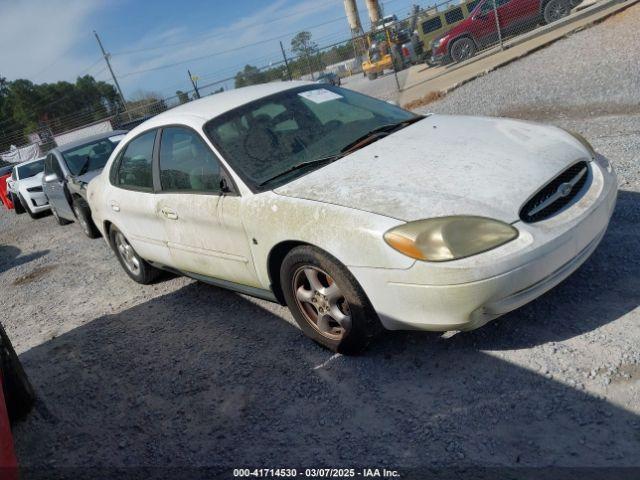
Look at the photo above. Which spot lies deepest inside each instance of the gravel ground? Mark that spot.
(184, 374)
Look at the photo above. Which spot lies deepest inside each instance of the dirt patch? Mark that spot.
(426, 100)
(547, 112)
(34, 275)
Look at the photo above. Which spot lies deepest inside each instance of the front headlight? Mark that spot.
(449, 238)
(585, 143)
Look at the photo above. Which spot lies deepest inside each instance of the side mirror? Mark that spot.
(392, 102)
(52, 177)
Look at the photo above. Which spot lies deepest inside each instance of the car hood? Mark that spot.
(445, 165)
(35, 181)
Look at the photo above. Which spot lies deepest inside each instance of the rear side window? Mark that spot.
(453, 16)
(431, 25)
(186, 163)
(134, 170)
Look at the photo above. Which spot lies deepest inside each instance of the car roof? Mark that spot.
(29, 161)
(84, 141)
(212, 106)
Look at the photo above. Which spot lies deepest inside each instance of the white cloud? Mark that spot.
(37, 36)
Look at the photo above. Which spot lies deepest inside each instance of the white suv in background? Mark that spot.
(25, 188)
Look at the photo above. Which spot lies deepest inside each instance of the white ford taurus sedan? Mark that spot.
(356, 213)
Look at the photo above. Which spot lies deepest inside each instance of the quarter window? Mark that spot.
(186, 163)
(431, 25)
(134, 168)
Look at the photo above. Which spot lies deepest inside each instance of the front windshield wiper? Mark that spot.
(298, 166)
(377, 133)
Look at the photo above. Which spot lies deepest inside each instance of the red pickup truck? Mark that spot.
(480, 28)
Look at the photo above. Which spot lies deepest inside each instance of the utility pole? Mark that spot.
(193, 82)
(115, 80)
(286, 62)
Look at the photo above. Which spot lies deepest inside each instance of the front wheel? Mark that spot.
(17, 206)
(83, 214)
(134, 266)
(554, 10)
(327, 302)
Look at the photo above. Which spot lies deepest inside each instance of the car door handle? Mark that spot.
(115, 207)
(168, 213)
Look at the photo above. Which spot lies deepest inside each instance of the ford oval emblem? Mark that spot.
(565, 189)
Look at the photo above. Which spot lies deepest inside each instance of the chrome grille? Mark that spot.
(555, 195)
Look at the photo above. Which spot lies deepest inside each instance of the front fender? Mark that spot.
(352, 236)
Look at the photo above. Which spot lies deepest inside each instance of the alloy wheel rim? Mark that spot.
(127, 254)
(321, 302)
(558, 11)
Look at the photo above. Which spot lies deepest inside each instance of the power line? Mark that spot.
(221, 35)
(231, 50)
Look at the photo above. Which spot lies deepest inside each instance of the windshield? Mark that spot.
(91, 156)
(269, 136)
(30, 169)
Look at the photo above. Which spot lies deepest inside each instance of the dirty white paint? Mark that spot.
(442, 165)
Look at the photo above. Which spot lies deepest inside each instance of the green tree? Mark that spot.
(250, 75)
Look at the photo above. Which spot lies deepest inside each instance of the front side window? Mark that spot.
(269, 137)
(134, 170)
(91, 156)
(186, 163)
(30, 169)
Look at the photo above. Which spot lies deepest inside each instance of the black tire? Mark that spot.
(462, 49)
(554, 10)
(61, 221)
(27, 209)
(145, 273)
(372, 75)
(364, 323)
(18, 392)
(17, 206)
(83, 214)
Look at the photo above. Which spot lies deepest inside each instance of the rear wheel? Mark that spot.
(83, 214)
(554, 10)
(462, 49)
(372, 75)
(139, 270)
(327, 302)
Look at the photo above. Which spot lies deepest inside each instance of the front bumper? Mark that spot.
(37, 201)
(467, 293)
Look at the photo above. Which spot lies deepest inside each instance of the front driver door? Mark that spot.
(53, 182)
(133, 201)
(205, 234)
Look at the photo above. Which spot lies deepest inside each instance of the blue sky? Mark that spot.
(52, 40)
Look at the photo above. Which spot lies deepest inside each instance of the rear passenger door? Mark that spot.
(203, 225)
(133, 202)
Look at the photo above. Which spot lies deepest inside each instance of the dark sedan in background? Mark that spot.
(67, 171)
